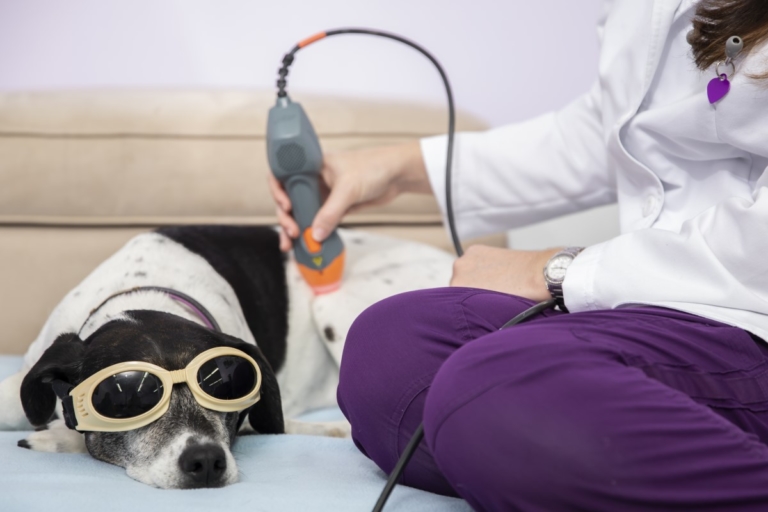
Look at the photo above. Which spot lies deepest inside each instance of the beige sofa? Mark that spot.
(83, 171)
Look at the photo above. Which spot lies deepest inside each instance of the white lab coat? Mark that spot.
(692, 193)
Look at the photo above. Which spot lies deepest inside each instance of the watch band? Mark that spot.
(555, 286)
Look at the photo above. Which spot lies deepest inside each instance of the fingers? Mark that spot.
(288, 226)
(278, 194)
(285, 242)
(288, 229)
(363, 177)
(287, 222)
(330, 214)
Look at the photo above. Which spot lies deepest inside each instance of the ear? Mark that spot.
(266, 416)
(63, 360)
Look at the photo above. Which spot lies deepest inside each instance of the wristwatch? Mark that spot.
(554, 272)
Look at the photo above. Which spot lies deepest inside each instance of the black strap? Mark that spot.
(62, 390)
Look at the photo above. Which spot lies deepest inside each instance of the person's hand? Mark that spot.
(518, 273)
(354, 180)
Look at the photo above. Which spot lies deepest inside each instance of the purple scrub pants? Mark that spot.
(638, 408)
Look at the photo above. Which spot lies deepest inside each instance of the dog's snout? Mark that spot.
(204, 465)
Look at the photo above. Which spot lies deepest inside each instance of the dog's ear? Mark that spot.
(63, 360)
(266, 416)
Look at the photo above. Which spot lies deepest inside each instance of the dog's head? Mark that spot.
(189, 446)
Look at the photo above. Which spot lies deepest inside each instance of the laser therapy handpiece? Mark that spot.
(296, 159)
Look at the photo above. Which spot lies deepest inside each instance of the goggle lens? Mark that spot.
(127, 394)
(227, 377)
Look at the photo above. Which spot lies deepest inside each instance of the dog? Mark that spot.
(157, 299)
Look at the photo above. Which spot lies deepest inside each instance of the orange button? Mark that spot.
(313, 246)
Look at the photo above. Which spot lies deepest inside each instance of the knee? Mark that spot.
(376, 343)
(389, 335)
(371, 332)
(371, 337)
(504, 419)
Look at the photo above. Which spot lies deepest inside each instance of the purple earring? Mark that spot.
(719, 86)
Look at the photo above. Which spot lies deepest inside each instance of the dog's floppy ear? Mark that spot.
(266, 416)
(63, 360)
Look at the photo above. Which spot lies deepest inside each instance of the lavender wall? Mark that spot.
(508, 60)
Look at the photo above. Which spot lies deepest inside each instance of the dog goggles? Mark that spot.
(132, 394)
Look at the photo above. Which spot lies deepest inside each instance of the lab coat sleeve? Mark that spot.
(718, 258)
(527, 172)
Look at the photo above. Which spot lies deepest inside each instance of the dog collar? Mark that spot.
(176, 295)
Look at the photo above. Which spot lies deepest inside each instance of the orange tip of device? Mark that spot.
(326, 280)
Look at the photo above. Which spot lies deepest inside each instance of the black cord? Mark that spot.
(534, 310)
(288, 59)
(282, 83)
(399, 467)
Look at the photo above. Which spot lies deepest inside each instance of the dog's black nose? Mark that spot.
(204, 465)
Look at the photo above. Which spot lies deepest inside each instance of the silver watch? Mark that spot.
(554, 272)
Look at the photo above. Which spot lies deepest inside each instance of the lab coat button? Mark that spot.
(649, 206)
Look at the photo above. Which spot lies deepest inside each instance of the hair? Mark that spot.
(717, 20)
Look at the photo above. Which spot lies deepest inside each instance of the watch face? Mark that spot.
(557, 266)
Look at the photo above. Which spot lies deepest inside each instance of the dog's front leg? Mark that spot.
(340, 428)
(55, 437)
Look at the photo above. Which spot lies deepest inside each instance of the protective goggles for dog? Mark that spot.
(130, 395)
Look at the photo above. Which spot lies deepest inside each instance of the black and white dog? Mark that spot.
(263, 307)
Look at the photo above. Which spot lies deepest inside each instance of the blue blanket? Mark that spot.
(277, 473)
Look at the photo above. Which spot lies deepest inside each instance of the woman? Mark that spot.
(652, 393)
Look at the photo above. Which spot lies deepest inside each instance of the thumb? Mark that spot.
(330, 214)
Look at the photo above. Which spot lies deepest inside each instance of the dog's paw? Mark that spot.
(340, 428)
(56, 438)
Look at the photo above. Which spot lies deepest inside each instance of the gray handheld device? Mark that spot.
(296, 159)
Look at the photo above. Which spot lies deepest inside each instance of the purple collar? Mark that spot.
(178, 296)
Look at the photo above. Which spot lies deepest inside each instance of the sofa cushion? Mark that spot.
(170, 157)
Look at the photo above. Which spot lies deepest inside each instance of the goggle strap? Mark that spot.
(62, 390)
